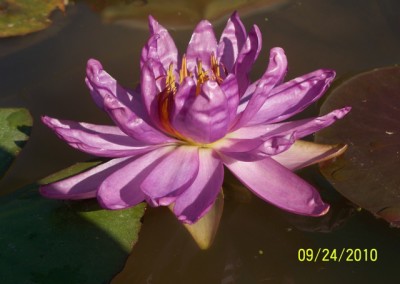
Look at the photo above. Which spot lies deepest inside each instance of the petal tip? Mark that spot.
(49, 191)
(322, 210)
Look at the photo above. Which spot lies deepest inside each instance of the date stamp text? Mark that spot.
(337, 255)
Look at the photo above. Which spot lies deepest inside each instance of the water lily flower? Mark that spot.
(191, 116)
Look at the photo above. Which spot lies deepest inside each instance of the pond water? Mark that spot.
(256, 242)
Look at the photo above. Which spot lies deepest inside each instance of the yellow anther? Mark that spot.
(215, 65)
(183, 73)
(215, 69)
(170, 80)
(202, 76)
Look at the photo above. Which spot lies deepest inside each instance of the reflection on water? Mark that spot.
(256, 242)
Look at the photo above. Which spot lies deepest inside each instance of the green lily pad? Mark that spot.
(176, 14)
(15, 128)
(368, 173)
(53, 241)
(21, 17)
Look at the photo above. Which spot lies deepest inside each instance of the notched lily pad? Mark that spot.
(21, 17)
(53, 241)
(368, 173)
(15, 128)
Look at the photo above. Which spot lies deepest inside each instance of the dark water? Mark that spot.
(256, 243)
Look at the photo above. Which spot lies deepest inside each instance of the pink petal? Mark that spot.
(122, 188)
(197, 199)
(83, 185)
(133, 125)
(231, 90)
(305, 127)
(254, 149)
(100, 83)
(300, 128)
(172, 175)
(303, 154)
(165, 48)
(184, 96)
(240, 149)
(99, 140)
(273, 76)
(150, 91)
(204, 118)
(202, 44)
(231, 42)
(294, 96)
(150, 53)
(246, 58)
(274, 183)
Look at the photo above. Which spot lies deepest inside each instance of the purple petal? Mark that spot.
(150, 91)
(304, 127)
(274, 183)
(133, 125)
(122, 188)
(230, 88)
(172, 175)
(253, 149)
(83, 185)
(150, 53)
(246, 58)
(240, 149)
(231, 42)
(273, 76)
(277, 144)
(202, 44)
(99, 140)
(294, 96)
(303, 154)
(197, 199)
(164, 49)
(101, 83)
(300, 128)
(204, 118)
(184, 95)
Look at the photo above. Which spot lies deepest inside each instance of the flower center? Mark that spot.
(166, 96)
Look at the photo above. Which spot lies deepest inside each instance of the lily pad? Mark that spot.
(177, 14)
(15, 128)
(52, 241)
(21, 17)
(368, 173)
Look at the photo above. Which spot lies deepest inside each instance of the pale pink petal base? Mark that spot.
(205, 229)
(303, 154)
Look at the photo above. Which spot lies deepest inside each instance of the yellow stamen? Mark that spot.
(215, 69)
(183, 73)
(215, 65)
(170, 80)
(202, 76)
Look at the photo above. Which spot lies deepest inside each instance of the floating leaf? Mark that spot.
(20, 17)
(368, 173)
(52, 241)
(15, 128)
(177, 14)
